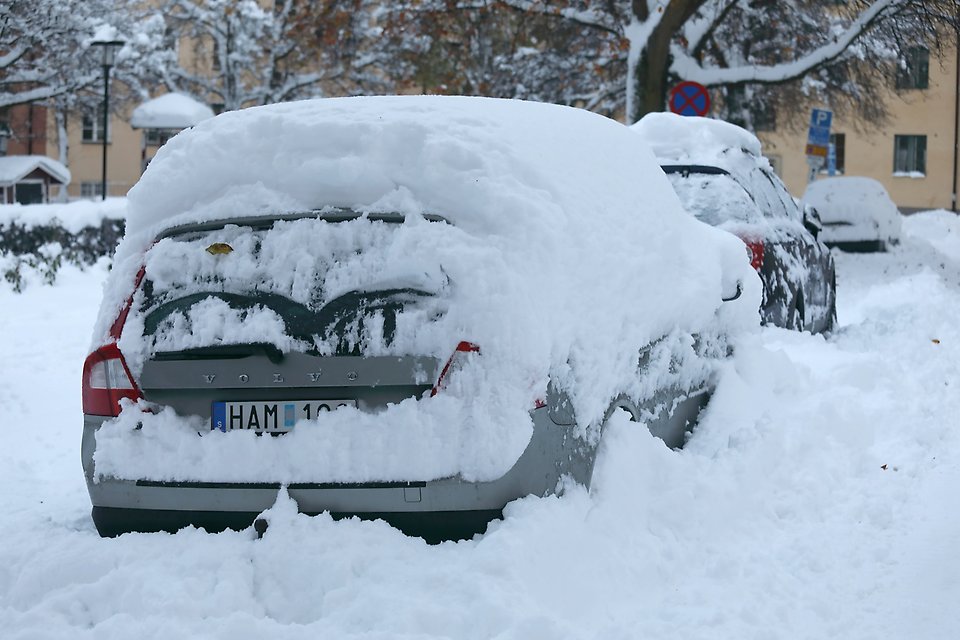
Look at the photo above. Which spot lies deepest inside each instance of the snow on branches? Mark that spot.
(242, 53)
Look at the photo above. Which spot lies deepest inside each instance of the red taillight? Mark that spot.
(117, 325)
(754, 252)
(455, 362)
(106, 380)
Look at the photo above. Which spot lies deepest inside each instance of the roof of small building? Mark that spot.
(13, 169)
(170, 111)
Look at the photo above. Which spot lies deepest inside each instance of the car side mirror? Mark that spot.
(736, 295)
(811, 220)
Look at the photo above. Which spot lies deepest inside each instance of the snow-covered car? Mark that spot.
(722, 178)
(434, 303)
(857, 213)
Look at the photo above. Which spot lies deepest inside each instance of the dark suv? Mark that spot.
(729, 185)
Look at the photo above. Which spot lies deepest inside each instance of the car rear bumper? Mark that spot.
(857, 246)
(122, 504)
(431, 526)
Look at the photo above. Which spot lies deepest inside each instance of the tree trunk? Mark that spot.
(651, 70)
(63, 149)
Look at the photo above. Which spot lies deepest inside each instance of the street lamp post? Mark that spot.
(109, 50)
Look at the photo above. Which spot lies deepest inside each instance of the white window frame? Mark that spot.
(40, 181)
(915, 163)
(95, 125)
(92, 188)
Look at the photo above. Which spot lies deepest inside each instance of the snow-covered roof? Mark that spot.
(170, 111)
(679, 137)
(16, 168)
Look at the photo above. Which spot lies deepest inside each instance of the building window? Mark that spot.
(93, 126)
(909, 155)
(158, 137)
(914, 71)
(90, 189)
(5, 134)
(764, 117)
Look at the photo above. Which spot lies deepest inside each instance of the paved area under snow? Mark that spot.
(818, 499)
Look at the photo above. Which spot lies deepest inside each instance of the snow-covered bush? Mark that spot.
(36, 240)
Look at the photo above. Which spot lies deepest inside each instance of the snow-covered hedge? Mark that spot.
(35, 240)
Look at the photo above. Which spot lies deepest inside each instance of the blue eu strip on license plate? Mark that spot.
(219, 417)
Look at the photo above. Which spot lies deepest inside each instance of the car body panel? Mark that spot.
(797, 270)
(555, 455)
(857, 212)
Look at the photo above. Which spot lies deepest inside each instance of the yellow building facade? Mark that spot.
(912, 155)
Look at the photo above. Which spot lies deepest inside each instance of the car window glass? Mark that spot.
(789, 204)
(306, 284)
(715, 198)
(764, 192)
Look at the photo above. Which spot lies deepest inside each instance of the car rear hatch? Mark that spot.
(232, 336)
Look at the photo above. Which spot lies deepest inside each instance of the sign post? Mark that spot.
(818, 141)
(690, 99)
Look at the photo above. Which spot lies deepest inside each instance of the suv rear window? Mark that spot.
(715, 198)
(327, 285)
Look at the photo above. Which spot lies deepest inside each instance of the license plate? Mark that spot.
(270, 416)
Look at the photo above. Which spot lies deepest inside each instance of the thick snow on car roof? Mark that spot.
(691, 140)
(568, 249)
(541, 179)
(483, 163)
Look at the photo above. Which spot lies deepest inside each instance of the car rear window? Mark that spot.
(715, 198)
(309, 284)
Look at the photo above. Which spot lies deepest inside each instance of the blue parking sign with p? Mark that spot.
(819, 134)
(821, 118)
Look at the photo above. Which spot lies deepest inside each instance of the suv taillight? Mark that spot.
(454, 363)
(106, 380)
(754, 252)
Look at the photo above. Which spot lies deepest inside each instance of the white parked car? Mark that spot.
(433, 303)
(857, 213)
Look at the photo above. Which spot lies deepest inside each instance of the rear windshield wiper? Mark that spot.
(224, 352)
(332, 320)
(299, 319)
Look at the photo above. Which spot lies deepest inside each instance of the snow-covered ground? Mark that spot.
(816, 500)
(72, 216)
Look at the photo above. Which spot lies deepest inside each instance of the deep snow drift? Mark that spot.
(817, 500)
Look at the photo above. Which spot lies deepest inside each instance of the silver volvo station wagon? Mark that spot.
(211, 331)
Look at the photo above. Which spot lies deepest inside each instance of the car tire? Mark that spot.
(832, 316)
(601, 451)
(795, 320)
